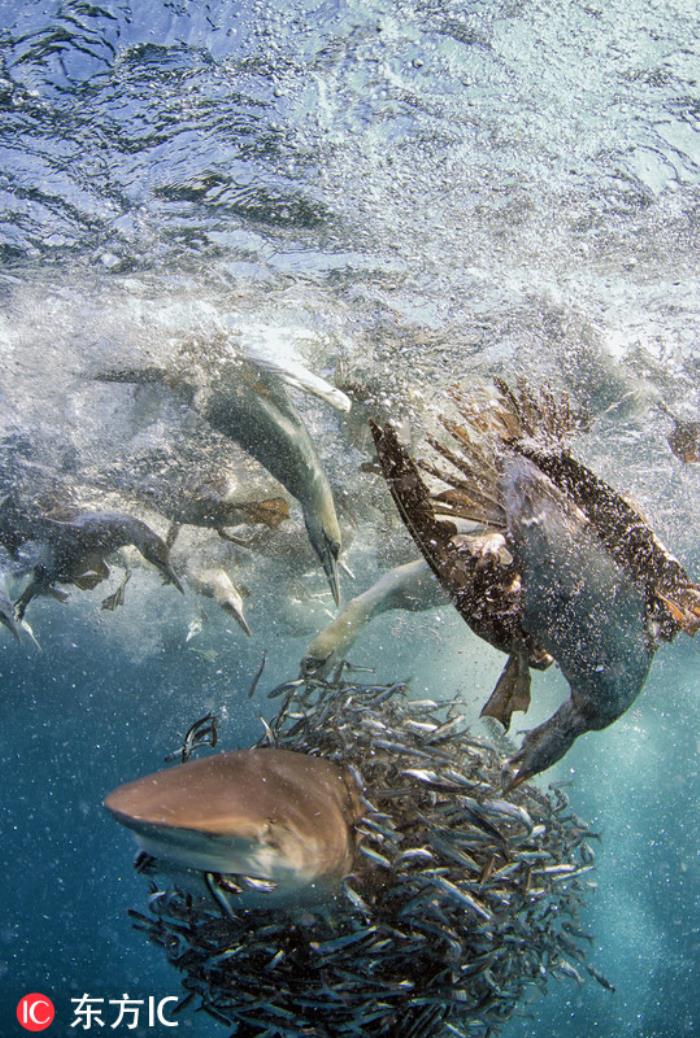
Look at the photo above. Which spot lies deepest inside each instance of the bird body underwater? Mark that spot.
(71, 548)
(250, 405)
(564, 569)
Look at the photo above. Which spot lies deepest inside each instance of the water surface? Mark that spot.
(407, 193)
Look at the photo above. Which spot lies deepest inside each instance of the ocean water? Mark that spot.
(403, 195)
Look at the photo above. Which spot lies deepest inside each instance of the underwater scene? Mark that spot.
(350, 474)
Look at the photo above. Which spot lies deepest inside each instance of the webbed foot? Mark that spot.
(512, 691)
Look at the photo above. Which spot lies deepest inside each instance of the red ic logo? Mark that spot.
(35, 1012)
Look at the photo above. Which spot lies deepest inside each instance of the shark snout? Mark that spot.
(265, 813)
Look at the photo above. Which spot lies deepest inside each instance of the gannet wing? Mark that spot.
(296, 376)
(148, 375)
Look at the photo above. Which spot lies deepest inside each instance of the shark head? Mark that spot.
(266, 813)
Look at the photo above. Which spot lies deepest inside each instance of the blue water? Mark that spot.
(415, 192)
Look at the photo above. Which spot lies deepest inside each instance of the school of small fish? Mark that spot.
(459, 900)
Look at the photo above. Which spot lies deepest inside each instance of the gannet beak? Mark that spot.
(327, 549)
(513, 778)
(313, 667)
(331, 572)
(328, 554)
(239, 616)
(7, 617)
(171, 576)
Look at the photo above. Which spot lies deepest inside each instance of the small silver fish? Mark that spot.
(420, 727)
(356, 901)
(568, 970)
(603, 981)
(414, 854)
(508, 810)
(375, 857)
(429, 778)
(446, 729)
(462, 896)
(448, 849)
(260, 886)
(224, 956)
(194, 628)
(554, 870)
(275, 960)
(337, 943)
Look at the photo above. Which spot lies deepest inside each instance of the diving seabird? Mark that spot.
(569, 569)
(214, 582)
(411, 587)
(72, 549)
(247, 401)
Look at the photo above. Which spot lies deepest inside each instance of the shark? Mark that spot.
(264, 813)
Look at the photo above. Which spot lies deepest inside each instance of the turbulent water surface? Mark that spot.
(397, 195)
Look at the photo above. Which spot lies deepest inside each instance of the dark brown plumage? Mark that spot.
(552, 532)
(476, 569)
(684, 437)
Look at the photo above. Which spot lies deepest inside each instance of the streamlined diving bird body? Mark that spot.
(248, 402)
(567, 568)
(586, 609)
(72, 549)
(411, 587)
(216, 583)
